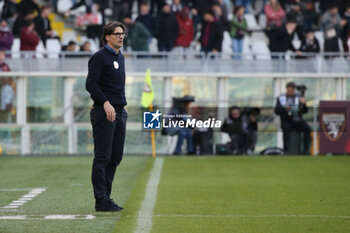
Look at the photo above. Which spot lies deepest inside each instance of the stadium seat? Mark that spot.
(69, 35)
(260, 36)
(64, 5)
(53, 48)
(153, 48)
(15, 48)
(226, 45)
(247, 51)
(319, 36)
(94, 46)
(251, 21)
(262, 51)
(262, 20)
(40, 50)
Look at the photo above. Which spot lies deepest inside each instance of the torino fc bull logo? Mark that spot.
(333, 125)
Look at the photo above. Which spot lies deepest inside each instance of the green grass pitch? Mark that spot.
(195, 194)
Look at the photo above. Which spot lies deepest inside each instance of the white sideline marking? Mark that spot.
(249, 216)
(18, 217)
(49, 217)
(15, 190)
(25, 198)
(144, 224)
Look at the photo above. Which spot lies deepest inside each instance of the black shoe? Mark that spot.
(112, 203)
(106, 206)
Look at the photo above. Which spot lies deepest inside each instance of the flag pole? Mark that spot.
(153, 140)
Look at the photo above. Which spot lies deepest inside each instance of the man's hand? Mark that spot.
(302, 100)
(288, 107)
(110, 111)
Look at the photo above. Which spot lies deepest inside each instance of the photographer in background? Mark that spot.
(290, 107)
(241, 127)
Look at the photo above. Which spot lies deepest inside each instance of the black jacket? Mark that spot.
(215, 37)
(168, 27)
(149, 22)
(42, 26)
(280, 40)
(310, 48)
(106, 78)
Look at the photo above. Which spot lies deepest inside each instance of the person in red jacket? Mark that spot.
(186, 30)
(29, 38)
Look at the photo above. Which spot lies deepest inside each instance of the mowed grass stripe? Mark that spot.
(253, 186)
(68, 192)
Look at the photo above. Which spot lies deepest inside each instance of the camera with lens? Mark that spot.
(302, 89)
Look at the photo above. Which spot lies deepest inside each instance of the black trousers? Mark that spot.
(301, 127)
(109, 138)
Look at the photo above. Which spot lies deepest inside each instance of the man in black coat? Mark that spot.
(147, 19)
(43, 24)
(168, 29)
(211, 35)
(281, 38)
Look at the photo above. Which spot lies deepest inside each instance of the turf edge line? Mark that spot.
(144, 224)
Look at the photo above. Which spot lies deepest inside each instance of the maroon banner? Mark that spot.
(334, 127)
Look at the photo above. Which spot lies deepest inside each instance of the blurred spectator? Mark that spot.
(346, 29)
(275, 14)
(147, 19)
(9, 12)
(219, 16)
(86, 47)
(308, 9)
(238, 125)
(167, 30)
(7, 88)
(186, 30)
(309, 45)
(92, 31)
(43, 25)
(27, 6)
(211, 35)
(6, 36)
(296, 15)
(331, 25)
(3, 66)
(70, 47)
(282, 37)
(138, 35)
(120, 8)
(176, 7)
(21, 21)
(290, 107)
(245, 3)
(224, 9)
(238, 30)
(156, 6)
(29, 38)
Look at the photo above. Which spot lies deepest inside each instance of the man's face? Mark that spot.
(127, 21)
(208, 17)
(310, 35)
(113, 40)
(2, 56)
(333, 11)
(3, 24)
(144, 10)
(290, 91)
(166, 9)
(235, 113)
(46, 13)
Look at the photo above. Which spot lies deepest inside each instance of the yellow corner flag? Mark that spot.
(146, 102)
(147, 94)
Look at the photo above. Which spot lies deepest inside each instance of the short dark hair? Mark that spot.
(291, 85)
(109, 29)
